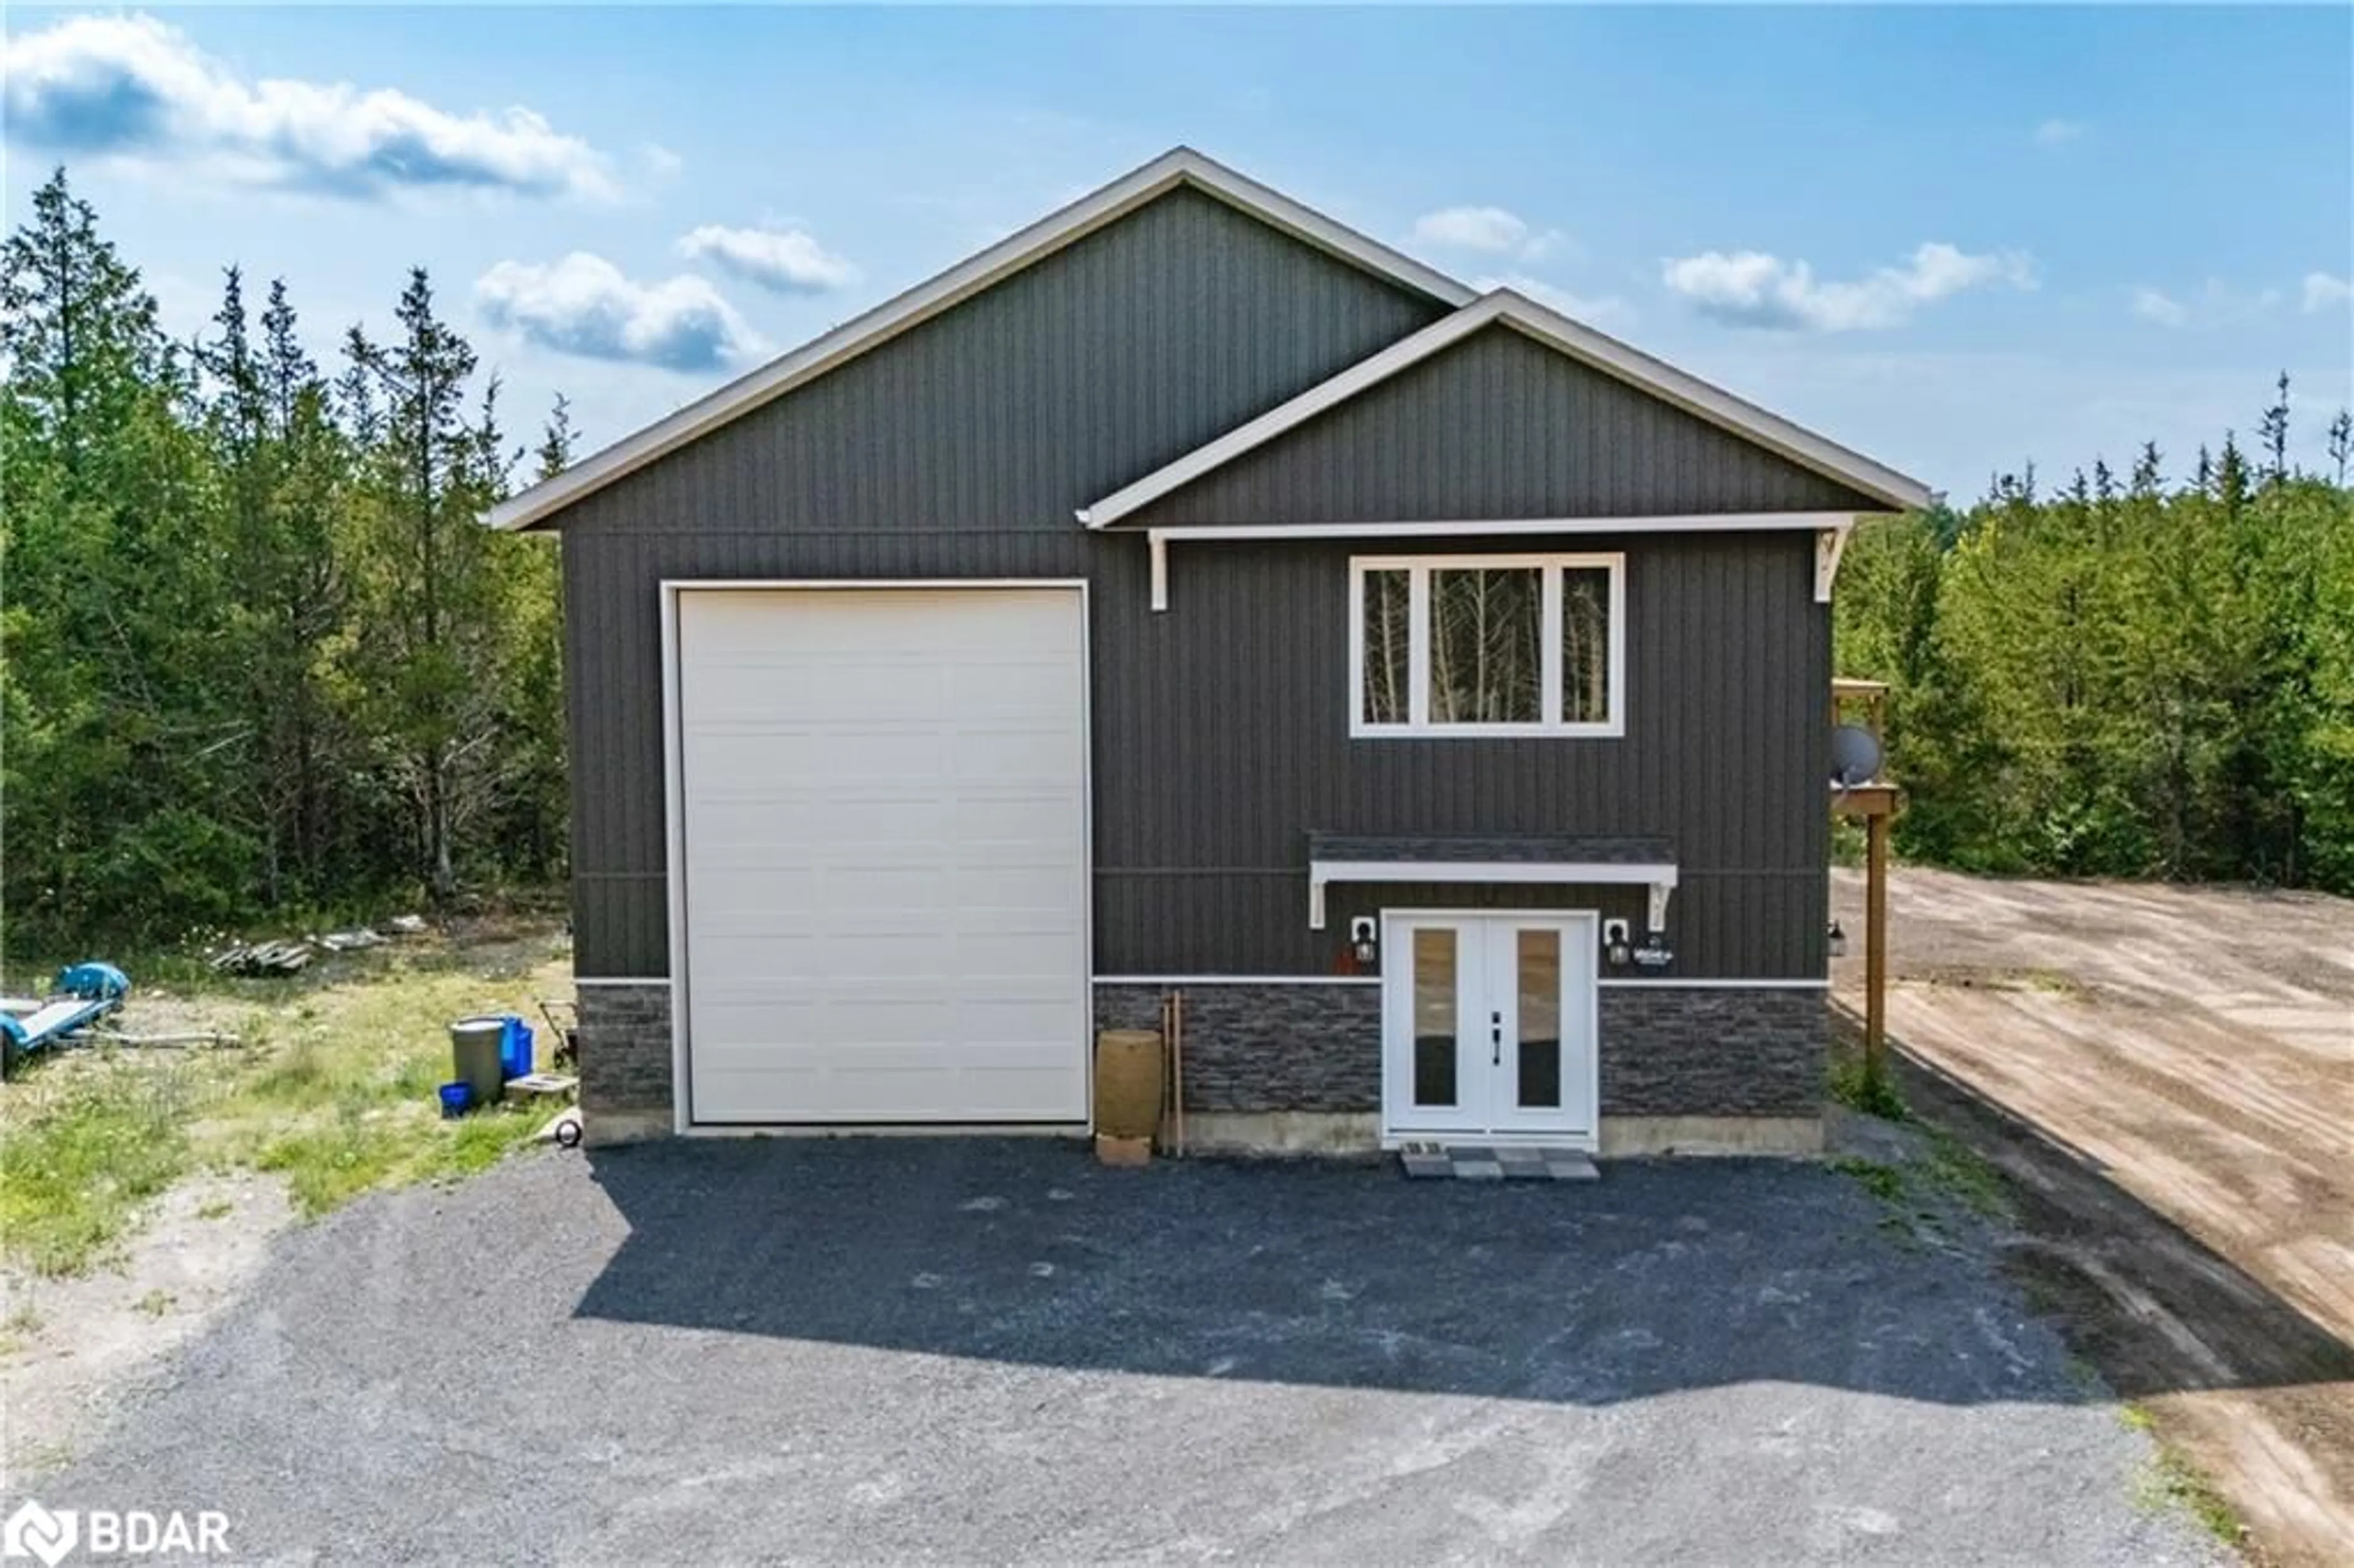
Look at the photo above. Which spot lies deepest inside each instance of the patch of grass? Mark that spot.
(1967, 1175)
(333, 1090)
(1913, 1195)
(2170, 1482)
(218, 1209)
(1886, 1182)
(1852, 1086)
(83, 1152)
(23, 1320)
(155, 1303)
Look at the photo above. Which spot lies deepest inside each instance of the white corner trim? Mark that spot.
(1181, 166)
(1549, 327)
(1659, 877)
(1830, 544)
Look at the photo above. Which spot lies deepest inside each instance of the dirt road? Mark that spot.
(2167, 1075)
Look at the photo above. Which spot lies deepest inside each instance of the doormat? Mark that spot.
(1512, 1162)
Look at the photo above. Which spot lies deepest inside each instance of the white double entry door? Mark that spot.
(1488, 1025)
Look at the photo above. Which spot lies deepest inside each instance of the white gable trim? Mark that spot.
(1557, 331)
(1181, 166)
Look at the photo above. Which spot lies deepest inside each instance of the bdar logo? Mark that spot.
(35, 1531)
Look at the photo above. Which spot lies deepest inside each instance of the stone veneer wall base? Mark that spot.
(1298, 1067)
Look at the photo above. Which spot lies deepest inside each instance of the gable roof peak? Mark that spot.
(1565, 335)
(1104, 206)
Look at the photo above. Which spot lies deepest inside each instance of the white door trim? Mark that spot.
(674, 822)
(1579, 925)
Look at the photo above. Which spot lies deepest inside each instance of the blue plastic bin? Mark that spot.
(514, 1047)
(457, 1099)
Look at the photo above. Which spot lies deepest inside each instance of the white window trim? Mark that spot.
(1419, 725)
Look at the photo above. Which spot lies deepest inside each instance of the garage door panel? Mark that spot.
(892, 1099)
(885, 856)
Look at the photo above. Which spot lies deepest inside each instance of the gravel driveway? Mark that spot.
(972, 1351)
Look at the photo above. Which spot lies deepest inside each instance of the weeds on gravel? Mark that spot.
(1966, 1174)
(1852, 1086)
(1914, 1195)
(1886, 1182)
(2169, 1481)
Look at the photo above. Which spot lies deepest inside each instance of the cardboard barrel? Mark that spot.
(1128, 1083)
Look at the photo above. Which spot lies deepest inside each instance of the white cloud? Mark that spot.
(131, 87)
(660, 161)
(1489, 230)
(1578, 307)
(2216, 304)
(584, 305)
(2058, 132)
(785, 261)
(2323, 290)
(1756, 289)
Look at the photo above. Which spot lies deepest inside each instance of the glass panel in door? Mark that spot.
(1437, 1018)
(1536, 1056)
(1437, 1084)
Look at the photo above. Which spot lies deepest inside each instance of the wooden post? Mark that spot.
(1875, 948)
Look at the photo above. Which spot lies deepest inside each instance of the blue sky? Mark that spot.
(1956, 238)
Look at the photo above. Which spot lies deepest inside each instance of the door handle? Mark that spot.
(1496, 1039)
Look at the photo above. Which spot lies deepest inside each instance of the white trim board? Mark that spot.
(1820, 524)
(1630, 983)
(1673, 984)
(1557, 331)
(1237, 980)
(1660, 877)
(1180, 165)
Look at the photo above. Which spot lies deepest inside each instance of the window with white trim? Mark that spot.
(1488, 645)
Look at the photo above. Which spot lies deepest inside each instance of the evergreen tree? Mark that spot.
(426, 649)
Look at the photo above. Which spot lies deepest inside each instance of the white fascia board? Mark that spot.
(1482, 527)
(1183, 166)
(1575, 339)
(1659, 877)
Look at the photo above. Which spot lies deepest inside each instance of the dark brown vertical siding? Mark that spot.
(960, 450)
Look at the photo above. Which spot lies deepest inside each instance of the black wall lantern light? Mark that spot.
(1361, 945)
(1837, 941)
(1616, 948)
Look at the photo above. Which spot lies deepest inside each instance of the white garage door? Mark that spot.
(884, 826)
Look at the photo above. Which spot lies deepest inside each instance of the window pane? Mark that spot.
(1387, 597)
(1434, 1017)
(1540, 1013)
(1486, 645)
(1585, 644)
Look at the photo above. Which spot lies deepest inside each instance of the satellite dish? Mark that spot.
(1855, 755)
